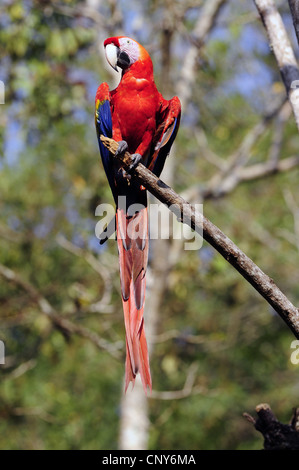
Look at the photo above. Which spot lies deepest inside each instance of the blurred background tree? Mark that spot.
(217, 348)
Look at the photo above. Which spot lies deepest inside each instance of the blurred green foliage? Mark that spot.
(61, 392)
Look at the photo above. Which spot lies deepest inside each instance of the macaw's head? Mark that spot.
(123, 52)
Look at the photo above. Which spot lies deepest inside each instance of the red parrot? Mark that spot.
(137, 116)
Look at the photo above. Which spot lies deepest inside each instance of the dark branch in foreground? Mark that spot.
(186, 213)
(277, 436)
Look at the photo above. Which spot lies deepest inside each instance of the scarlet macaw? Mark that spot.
(137, 116)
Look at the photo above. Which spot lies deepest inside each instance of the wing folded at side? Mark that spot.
(167, 127)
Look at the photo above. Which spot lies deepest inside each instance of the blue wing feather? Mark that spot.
(104, 127)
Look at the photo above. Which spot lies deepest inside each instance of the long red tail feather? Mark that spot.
(132, 241)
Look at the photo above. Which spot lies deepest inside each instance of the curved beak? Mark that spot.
(116, 57)
(112, 53)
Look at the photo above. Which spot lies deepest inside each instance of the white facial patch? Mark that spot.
(130, 47)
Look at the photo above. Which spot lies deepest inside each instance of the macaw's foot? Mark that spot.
(122, 148)
(135, 159)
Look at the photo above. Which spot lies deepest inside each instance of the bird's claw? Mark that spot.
(122, 148)
(135, 159)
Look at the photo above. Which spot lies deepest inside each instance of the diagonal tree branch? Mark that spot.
(187, 213)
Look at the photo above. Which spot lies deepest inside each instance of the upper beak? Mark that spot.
(112, 53)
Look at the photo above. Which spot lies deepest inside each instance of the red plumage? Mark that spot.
(148, 123)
